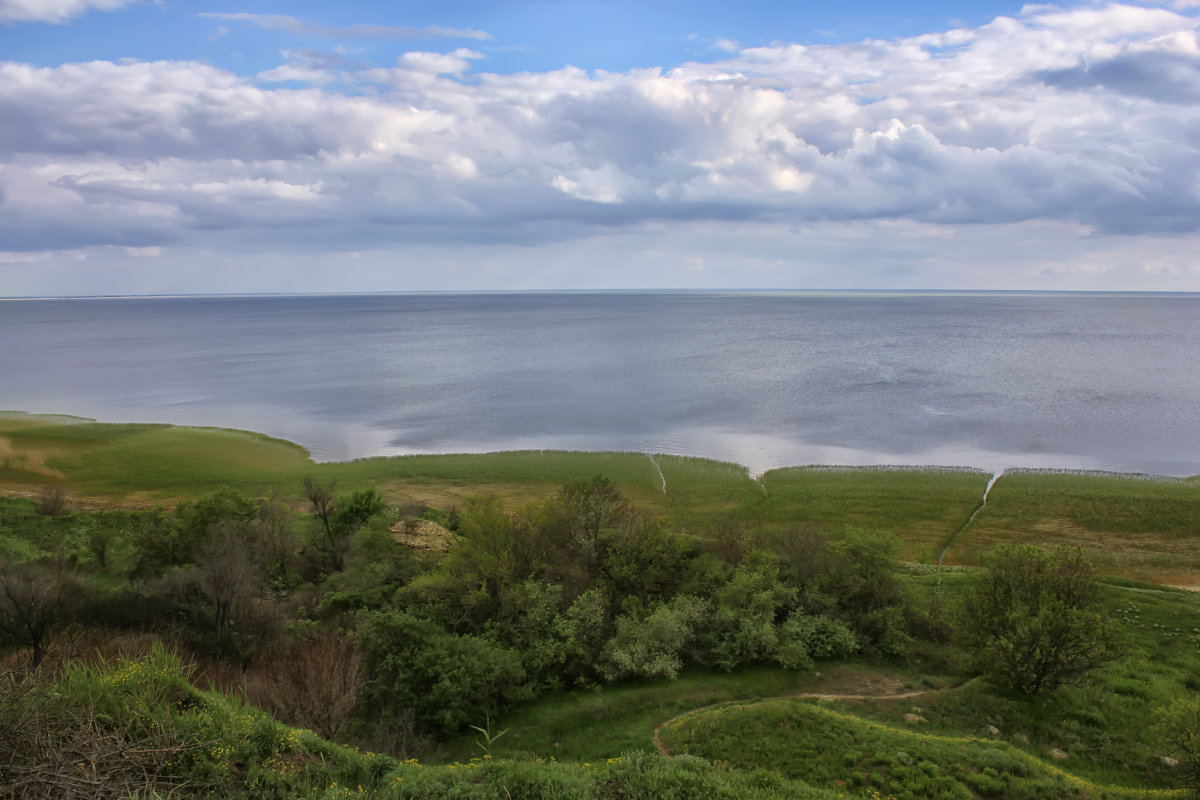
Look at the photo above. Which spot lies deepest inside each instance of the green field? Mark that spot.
(1148, 529)
(1133, 527)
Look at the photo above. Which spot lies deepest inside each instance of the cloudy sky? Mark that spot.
(178, 146)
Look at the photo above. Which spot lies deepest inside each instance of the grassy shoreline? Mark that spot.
(1133, 526)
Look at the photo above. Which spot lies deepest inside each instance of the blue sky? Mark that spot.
(531, 35)
(163, 147)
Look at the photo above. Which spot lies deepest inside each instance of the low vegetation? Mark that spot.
(550, 624)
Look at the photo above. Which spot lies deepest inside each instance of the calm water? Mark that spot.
(986, 380)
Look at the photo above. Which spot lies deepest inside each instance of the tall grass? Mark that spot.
(923, 507)
(1128, 526)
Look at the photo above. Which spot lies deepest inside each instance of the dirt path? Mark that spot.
(662, 748)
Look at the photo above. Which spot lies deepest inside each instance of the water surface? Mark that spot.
(769, 379)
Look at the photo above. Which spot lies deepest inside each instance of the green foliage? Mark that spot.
(354, 509)
(1035, 620)
(1179, 725)
(447, 679)
(643, 561)
(557, 647)
(744, 625)
(863, 575)
(145, 730)
(162, 539)
(633, 775)
(804, 637)
(487, 736)
(653, 647)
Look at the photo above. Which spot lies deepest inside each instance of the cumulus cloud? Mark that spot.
(1079, 117)
(55, 11)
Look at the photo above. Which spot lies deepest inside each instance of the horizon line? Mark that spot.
(741, 290)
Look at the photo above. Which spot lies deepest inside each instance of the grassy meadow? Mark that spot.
(1130, 526)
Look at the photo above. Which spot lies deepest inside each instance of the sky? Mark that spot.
(175, 147)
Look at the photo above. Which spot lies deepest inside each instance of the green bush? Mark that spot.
(446, 679)
(653, 647)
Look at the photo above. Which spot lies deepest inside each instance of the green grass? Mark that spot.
(144, 462)
(519, 477)
(1128, 526)
(592, 725)
(1103, 724)
(1138, 528)
(700, 491)
(142, 722)
(923, 507)
(827, 747)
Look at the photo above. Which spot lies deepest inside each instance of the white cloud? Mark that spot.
(54, 11)
(291, 72)
(1063, 117)
(144, 252)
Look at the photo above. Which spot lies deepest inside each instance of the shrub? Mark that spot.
(51, 501)
(313, 682)
(820, 637)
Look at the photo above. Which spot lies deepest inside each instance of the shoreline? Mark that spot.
(881, 466)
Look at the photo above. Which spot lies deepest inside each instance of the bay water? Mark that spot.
(989, 380)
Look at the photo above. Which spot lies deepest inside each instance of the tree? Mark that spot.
(590, 509)
(276, 538)
(1034, 621)
(227, 574)
(354, 509)
(653, 647)
(744, 625)
(324, 506)
(860, 577)
(447, 680)
(34, 602)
